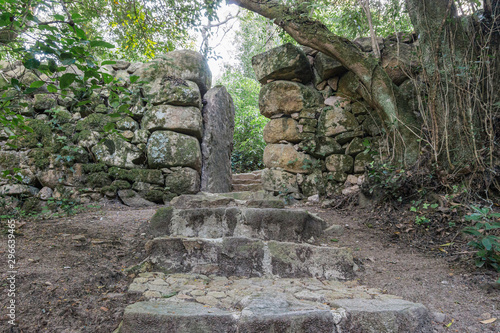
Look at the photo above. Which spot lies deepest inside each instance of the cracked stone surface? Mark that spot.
(201, 303)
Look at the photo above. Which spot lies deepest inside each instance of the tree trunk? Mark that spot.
(458, 70)
(376, 84)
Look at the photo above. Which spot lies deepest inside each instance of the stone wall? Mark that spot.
(321, 132)
(154, 155)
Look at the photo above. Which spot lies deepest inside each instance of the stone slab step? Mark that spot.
(211, 200)
(256, 175)
(248, 195)
(247, 187)
(183, 303)
(262, 223)
(235, 256)
(245, 181)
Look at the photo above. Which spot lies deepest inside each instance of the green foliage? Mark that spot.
(256, 35)
(485, 236)
(385, 180)
(143, 28)
(248, 144)
(421, 209)
(347, 19)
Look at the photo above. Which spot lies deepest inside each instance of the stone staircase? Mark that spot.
(251, 181)
(218, 265)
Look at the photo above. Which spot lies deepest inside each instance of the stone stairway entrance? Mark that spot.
(251, 181)
(220, 266)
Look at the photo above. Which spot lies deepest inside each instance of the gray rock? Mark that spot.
(279, 181)
(132, 199)
(202, 200)
(328, 67)
(285, 62)
(285, 97)
(115, 151)
(180, 64)
(365, 43)
(182, 181)
(120, 65)
(265, 223)
(250, 258)
(18, 189)
(285, 156)
(391, 315)
(45, 193)
(282, 129)
(176, 318)
(335, 120)
(169, 149)
(127, 123)
(168, 90)
(179, 119)
(217, 142)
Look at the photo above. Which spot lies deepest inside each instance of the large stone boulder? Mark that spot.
(285, 62)
(320, 147)
(180, 119)
(348, 86)
(168, 90)
(282, 129)
(217, 142)
(399, 61)
(335, 120)
(170, 149)
(179, 64)
(340, 163)
(115, 151)
(279, 181)
(285, 97)
(132, 199)
(182, 181)
(285, 156)
(328, 67)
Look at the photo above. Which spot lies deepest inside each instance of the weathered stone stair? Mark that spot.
(238, 269)
(251, 181)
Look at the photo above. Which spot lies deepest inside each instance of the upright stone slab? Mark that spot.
(216, 146)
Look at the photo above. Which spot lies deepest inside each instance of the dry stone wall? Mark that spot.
(321, 132)
(154, 155)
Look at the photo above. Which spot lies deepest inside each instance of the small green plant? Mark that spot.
(420, 208)
(66, 205)
(385, 180)
(486, 241)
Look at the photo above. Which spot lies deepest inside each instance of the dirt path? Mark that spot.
(462, 298)
(71, 273)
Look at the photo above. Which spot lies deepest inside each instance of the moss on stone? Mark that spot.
(94, 122)
(99, 179)
(68, 129)
(32, 205)
(155, 196)
(94, 168)
(41, 157)
(121, 184)
(151, 176)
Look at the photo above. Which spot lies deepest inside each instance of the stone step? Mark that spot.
(245, 181)
(248, 195)
(247, 187)
(256, 175)
(182, 303)
(238, 256)
(262, 223)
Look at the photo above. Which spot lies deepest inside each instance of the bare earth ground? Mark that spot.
(71, 272)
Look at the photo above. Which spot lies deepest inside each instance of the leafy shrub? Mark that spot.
(485, 239)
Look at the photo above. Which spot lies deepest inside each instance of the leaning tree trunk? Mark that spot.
(377, 87)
